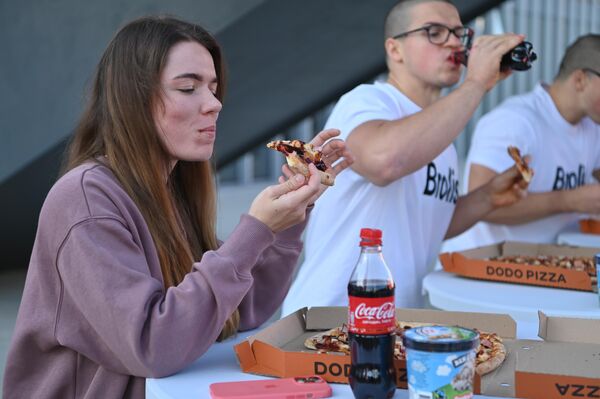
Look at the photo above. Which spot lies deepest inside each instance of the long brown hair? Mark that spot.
(118, 123)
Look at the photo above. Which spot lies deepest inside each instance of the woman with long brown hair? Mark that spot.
(127, 278)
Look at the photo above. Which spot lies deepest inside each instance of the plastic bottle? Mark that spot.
(371, 322)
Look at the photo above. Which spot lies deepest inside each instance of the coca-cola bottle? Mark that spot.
(371, 322)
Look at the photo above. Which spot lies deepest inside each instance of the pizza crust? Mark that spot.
(492, 363)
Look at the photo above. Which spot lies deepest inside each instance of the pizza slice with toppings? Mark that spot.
(522, 166)
(334, 340)
(299, 154)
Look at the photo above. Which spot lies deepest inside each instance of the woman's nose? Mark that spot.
(212, 104)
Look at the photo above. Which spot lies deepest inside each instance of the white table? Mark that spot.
(579, 239)
(448, 291)
(220, 364)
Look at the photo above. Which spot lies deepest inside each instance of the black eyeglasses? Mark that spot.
(592, 71)
(439, 34)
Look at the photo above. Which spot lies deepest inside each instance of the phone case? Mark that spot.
(310, 387)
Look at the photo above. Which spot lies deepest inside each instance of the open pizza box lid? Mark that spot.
(474, 263)
(567, 329)
(565, 364)
(278, 350)
(323, 318)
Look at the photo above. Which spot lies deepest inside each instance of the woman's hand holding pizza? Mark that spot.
(334, 154)
(283, 205)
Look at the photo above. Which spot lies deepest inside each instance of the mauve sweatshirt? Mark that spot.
(95, 320)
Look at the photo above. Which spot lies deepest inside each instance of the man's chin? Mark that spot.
(450, 81)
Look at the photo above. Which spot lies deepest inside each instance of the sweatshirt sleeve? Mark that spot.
(115, 313)
(272, 277)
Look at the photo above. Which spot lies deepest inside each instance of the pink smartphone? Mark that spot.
(310, 387)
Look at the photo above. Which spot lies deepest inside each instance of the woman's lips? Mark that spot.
(208, 131)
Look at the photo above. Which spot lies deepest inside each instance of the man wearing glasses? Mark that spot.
(404, 179)
(559, 126)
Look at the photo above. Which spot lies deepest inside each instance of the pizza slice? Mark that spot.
(522, 166)
(490, 354)
(333, 340)
(299, 154)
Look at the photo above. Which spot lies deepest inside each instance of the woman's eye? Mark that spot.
(187, 90)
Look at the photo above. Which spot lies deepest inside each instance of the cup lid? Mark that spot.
(441, 338)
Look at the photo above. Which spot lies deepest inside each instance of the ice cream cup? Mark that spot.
(440, 361)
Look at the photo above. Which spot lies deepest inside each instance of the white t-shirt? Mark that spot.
(413, 212)
(563, 157)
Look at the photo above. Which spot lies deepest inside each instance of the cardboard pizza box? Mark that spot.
(474, 263)
(569, 329)
(278, 350)
(589, 226)
(557, 370)
(565, 364)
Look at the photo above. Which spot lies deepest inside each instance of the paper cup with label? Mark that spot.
(440, 361)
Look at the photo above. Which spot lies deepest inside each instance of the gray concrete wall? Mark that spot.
(48, 53)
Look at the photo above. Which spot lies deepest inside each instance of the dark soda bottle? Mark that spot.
(519, 58)
(371, 322)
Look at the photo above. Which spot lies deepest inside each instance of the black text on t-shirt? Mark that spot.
(444, 188)
(568, 180)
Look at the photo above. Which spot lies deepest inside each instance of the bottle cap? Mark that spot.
(370, 237)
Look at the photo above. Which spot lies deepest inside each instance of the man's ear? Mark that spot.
(578, 79)
(393, 50)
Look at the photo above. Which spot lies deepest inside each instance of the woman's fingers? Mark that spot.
(287, 186)
(323, 136)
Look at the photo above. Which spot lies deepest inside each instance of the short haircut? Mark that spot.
(584, 53)
(397, 19)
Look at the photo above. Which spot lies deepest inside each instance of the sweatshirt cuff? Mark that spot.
(247, 241)
(292, 234)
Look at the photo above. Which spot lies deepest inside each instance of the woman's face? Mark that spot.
(187, 114)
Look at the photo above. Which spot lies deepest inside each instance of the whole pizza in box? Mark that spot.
(490, 354)
(522, 263)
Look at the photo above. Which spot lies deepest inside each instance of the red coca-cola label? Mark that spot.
(372, 316)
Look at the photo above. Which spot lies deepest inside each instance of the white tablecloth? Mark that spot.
(579, 239)
(448, 291)
(217, 365)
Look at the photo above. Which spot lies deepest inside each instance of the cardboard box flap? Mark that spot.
(522, 248)
(558, 358)
(260, 353)
(323, 318)
(565, 329)
(278, 334)
(484, 252)
(501, 324)
(326, 317)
